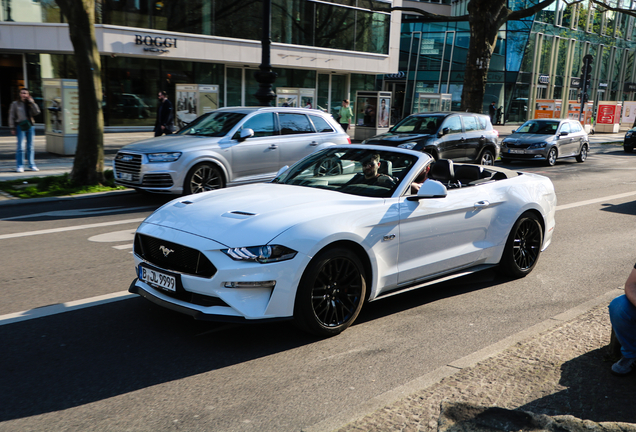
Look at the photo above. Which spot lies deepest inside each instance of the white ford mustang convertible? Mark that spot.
(343, 226)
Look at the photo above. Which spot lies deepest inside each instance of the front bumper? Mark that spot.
(524, 154)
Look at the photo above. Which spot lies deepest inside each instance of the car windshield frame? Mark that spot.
(341, 170)
(213, 124)
(535, 127)
(417, 124)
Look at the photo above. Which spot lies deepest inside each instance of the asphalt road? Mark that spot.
(116, 362)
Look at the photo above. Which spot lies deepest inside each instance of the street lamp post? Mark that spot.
(265, 76)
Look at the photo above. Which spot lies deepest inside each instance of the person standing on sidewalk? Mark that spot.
(622, 312)
(21, 122)
(345, 115)
(165, 115)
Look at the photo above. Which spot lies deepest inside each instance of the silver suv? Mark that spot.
(226, 147)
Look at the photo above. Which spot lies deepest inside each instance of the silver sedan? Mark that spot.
(546, 140)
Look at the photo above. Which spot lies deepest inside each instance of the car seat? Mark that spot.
(443, 171)
(466, 174)
(386, 167)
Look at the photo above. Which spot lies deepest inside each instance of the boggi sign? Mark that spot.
(155, 44)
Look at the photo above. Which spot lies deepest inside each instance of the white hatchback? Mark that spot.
(226, 147)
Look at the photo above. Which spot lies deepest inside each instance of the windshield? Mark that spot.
(362, 172)
(539, 127)
(214, 124)
(418, 124)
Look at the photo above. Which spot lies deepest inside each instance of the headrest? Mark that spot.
(386, 167)
(468, 173)
(443, 170)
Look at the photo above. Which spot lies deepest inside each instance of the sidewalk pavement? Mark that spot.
(556, 367)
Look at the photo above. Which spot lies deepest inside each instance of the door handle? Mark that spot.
(313, 143)
(482, 204)
(273, 147)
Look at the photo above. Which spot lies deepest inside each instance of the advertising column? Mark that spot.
(608, 117)
(61, 115)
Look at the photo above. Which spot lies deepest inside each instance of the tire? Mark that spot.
(550, 160)
(487, 158)
(202, 178)
(523, 246)
(583, 154)
(328, 167)
(331, 293)
(628, 149)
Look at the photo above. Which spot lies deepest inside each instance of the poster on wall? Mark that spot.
(186, 104)
(208, 98)
(70, 108)
(547, 108)
(53, 114)
(629, 113)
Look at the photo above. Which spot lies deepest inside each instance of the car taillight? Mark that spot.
(496, 132)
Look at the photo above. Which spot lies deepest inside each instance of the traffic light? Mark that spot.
(586, 72)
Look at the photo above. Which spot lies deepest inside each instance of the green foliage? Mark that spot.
(39, 187)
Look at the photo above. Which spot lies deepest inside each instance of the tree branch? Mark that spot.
(525, 13)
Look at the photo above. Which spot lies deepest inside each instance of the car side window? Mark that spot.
(470, 123)
(320, 124)
(261, 124)
(454, 124)
(565, 127)
(576, 127)
(483, 123)
(291, 124)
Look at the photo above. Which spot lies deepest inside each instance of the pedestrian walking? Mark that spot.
(345, 115)
(165, 115)
(622, 312)
(21, 113)
(492, 111)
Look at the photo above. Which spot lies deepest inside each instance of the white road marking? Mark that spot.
(594, 201)
(80, 212)
(64, 307)
(122, 247)
(115, 236)
(70, 228)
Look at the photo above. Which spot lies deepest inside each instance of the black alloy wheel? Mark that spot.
(202, 178)
(523, 246)
(331, 293)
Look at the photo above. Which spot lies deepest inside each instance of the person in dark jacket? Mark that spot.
(165, 115)
(21, 122)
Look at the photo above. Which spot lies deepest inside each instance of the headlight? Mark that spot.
(408, 145)
(628, 134)
(262, 254)
(538, 145)
(163, 157)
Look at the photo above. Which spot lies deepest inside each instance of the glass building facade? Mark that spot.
(536, 58)
(331, 46)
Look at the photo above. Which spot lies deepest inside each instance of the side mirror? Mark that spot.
(245, 134)
(564, 133)
(282, 170)
(430, 189)
(443, 132)
(514, 130)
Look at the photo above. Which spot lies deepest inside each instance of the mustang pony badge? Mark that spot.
(165, 250)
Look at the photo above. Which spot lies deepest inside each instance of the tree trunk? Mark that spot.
(485, 19)
(88, 166)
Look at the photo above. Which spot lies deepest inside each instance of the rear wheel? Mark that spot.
(583, 154)
(331, 292)
(202, 178)
(552, 157)
(523, 246)
(487, 158)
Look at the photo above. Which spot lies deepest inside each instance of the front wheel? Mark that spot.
(202, 178)
(552, 157)
(628, 149)
(583, 154)
(487, 158)
(523, 246)
(331, 293)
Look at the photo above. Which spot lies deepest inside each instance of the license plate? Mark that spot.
(124, 176)
(158, 279)
(517, 151)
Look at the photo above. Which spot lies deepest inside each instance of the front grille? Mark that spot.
(157, 181)
(128, 164)
(517, 145)
(181, 259)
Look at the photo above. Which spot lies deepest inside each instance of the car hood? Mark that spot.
(169, 143)
(253, 215)
(527, 138)
(394, 139)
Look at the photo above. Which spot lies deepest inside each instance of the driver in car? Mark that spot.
(370, 174)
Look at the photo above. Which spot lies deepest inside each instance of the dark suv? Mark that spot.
(445, 135)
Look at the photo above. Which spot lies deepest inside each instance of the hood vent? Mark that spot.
(236, 214)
